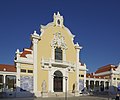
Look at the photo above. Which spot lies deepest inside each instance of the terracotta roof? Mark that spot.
(8, 68)
(106, 68)
(91, 75)
(25, 51)
(82, 64)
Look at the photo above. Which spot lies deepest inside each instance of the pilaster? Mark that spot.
(18, 70)
(35, 37)
(85, 79)
(18, 77)
(77, 47)
(4, 81)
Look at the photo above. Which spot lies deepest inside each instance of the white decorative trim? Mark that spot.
(51, 76)
(24, 60)
(58, 19)
(53, 53)
(64, 55)
(58, 41)
(69, 32)
(82, 68)
(96, 79)
(8, 73)
(64, 64)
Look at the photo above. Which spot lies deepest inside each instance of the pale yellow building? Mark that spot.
(51, 66)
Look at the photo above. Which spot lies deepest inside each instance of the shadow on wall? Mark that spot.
(15, 93)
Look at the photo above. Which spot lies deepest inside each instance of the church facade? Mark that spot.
(51, 66)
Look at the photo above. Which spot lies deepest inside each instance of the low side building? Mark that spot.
(106, 78)
(7, 80)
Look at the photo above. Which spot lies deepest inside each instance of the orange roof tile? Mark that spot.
(105, 68)
(8, 68)
(23, 54)
(91, 75)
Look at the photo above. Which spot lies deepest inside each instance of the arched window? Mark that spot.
(58, 54)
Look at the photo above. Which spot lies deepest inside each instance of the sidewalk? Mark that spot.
(60, 98)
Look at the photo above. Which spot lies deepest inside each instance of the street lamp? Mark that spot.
(66, 88)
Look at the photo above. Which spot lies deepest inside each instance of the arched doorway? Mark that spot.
(58, 81)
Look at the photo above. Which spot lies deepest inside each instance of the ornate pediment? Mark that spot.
(58, 41)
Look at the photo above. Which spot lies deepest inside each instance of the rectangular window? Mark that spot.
(58, 54)
(82, 75)
(23, 70)
(10, 83)
(30, 71)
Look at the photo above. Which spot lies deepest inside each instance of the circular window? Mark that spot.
(58, 21)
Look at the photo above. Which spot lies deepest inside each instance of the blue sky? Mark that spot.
(95, 23)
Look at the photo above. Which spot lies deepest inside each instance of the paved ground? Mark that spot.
(61, 98)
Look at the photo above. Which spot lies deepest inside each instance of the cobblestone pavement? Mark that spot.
(62, 98)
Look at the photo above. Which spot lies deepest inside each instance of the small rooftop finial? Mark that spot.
(35, 33)
(58, 13)
(17, 51)
(77, 44)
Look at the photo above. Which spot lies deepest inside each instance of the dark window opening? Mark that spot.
(30, 71)
(58, 54)
(23, 70)
(1, 83)
(82, 75)
(58, 21)
(10, 82)
(58, 82)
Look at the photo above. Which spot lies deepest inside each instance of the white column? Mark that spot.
(52, 84)
(99, 85)
(111, 83)
(4, 82)
(94, 82)
(64, 84)
(35, 38)
(84, 79)
(77, 47)
(18, 70)
(18, 77)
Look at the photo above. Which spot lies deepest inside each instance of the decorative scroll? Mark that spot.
(58, 41)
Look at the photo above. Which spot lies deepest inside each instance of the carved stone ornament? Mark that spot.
(58, 41)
